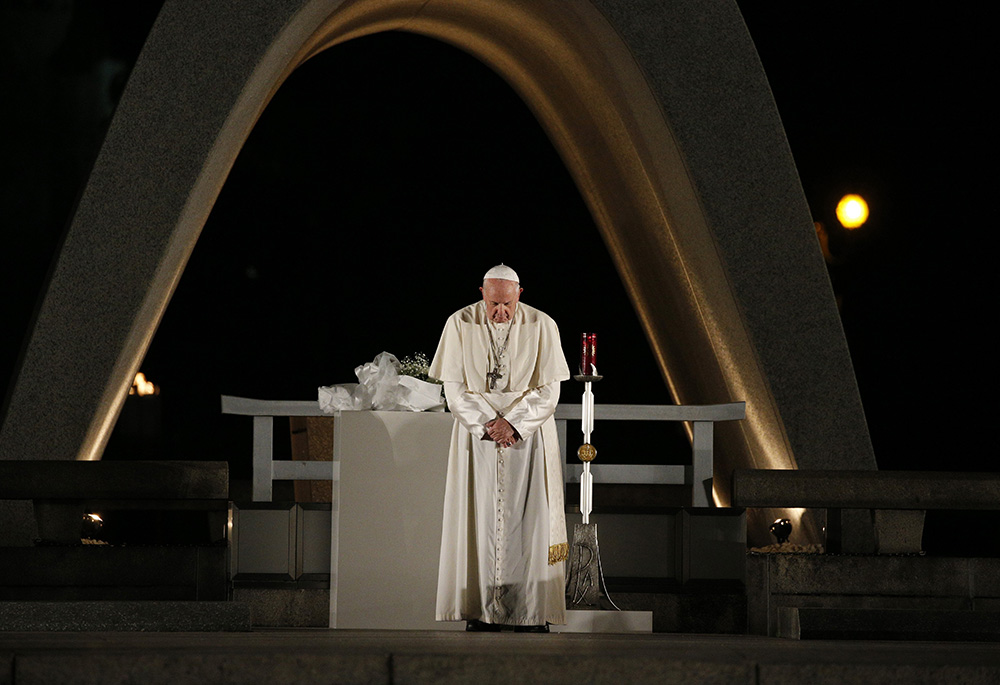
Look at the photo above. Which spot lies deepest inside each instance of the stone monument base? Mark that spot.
(600, 621)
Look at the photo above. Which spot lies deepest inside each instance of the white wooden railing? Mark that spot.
(697, 475)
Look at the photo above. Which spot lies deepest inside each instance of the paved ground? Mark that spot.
(276, 657)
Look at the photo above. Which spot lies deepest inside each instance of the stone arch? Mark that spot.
(662, 114)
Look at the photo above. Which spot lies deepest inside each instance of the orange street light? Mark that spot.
(852, 211)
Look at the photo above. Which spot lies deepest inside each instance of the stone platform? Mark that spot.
(889, 624)
(113, 616)
(106, 572)
(889, 597)
(304, 657)
(599, 621)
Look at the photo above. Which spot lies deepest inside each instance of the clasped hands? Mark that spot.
(501, 432)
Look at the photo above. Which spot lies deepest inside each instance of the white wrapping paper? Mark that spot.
(381, 387)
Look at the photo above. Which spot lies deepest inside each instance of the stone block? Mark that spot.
(985, 574)
(59, 521)
(842, 582)
(550, 667)
(815, 623)
(124, 616)
(866, 489)
(173, 667)
(194, 572)
(711, 544)
(899, 531)
(826, 673)
(758, 595)
(146, 480)
(17, 523)
(688, 612)
(850, 531)
(286, 607)
(868, 575)
(872, 602)
(985, 604)
(310, 668)
(606, 621)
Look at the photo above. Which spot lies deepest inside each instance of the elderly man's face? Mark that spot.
(501, 299)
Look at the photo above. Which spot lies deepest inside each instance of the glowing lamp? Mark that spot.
(142, 387)
(852, 211)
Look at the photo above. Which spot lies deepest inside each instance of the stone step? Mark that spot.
(815, 623)
(875, 582)
(125, 616)
(601, 621)
(114, 480)
(90, 593)
(110, 572)
(395, 656)
(874, 575)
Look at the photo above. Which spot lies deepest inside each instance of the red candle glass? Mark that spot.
(588, 353)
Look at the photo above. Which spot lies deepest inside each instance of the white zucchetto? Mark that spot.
(503, 273)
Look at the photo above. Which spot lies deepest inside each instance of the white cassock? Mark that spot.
(504, 516)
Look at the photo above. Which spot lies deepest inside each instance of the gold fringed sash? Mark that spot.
(558, 553)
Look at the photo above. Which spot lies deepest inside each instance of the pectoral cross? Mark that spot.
(494, 376)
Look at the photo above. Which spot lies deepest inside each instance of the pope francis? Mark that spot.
(503, 541)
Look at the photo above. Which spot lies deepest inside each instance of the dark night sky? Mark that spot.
(335, 236)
